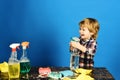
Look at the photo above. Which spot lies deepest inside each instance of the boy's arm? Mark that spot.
(78, 46)
(90, 50)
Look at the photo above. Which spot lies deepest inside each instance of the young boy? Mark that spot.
(89, 28)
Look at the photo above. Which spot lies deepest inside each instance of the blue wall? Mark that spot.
(49, 24)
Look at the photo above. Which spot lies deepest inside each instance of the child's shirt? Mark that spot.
(86, 58)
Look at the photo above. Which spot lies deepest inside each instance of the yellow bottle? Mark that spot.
(14, 70)
(13, 63)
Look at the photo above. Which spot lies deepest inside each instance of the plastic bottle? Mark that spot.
(13, 63)
(24, 61)
(74, 58)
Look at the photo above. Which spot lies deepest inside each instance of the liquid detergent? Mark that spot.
(25, 67)
(24, 61)
(74, 60)
(13, 63)
(14, 70)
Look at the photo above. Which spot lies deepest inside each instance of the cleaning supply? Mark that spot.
(66, 73)
(4, 71)
(83, 71)
(55, 75)
(74, 60)
(4, 67)
(24, 61)
(83, 74)
(13, 63)
(44, 72)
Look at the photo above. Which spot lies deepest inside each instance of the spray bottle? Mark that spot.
(13, 63)
(74, 59)
(24, 61)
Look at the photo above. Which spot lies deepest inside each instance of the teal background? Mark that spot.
(49, 24)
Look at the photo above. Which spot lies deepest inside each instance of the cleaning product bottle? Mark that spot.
(13, 63)
(74, 59)
(24, 61)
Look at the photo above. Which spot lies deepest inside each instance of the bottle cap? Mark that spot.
(14, 46)
(75, 39)
(25, 44)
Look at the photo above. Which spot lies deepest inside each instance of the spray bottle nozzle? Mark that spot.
(25, 44)
(14, 46)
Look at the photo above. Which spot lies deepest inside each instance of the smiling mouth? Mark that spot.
(82, 34)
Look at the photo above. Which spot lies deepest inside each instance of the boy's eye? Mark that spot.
(83, 29)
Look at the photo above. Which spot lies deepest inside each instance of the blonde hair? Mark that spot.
(92, 25)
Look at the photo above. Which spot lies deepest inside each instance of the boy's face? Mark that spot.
(85, 33)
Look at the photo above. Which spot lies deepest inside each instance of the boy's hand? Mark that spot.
(71, 48)
(77, 45)
(74, 44)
